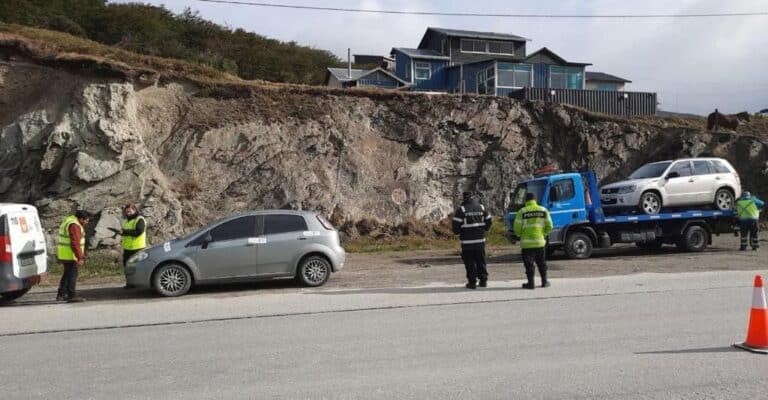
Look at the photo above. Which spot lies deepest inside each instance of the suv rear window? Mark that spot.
(701, 168)
(279, 223)
(720, 167)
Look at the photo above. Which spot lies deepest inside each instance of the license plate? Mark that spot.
(26, 261)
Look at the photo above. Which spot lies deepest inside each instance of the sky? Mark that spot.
(695, 65)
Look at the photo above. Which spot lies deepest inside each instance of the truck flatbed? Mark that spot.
(679, 215)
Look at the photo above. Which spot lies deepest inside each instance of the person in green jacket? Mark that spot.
(532, 225)
(748, 213)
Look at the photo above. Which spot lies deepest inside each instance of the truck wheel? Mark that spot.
(11, 296)
(578, 245)
(695, 239)
(650, 203)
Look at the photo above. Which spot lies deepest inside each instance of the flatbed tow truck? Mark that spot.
(581, 225)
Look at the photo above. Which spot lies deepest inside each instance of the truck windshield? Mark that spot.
(650, 170)
(518, 196)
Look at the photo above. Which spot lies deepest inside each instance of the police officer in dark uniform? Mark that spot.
(471, 221)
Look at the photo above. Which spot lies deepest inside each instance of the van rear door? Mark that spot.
(27, 239)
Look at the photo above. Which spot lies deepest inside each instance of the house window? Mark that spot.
(474, 46)
(423, 71)
(565, 77)
(501, 48)
(486, 81)
(515, 75)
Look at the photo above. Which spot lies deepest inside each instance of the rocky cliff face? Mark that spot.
(189, 154)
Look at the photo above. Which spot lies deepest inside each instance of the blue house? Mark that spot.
(490, 63)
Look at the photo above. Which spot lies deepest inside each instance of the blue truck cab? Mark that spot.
(580, 224)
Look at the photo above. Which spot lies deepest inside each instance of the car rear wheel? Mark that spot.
(650, 203)
(724, 199)
(172, 280)
(11, 296)
(578, 245)
(314, 271)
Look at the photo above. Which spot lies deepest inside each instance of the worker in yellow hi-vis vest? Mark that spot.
(70, 251)
(134, 233)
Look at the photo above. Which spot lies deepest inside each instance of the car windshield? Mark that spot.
(650, 170)
(518, 197)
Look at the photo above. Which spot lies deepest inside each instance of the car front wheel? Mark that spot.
(314, 271)
(650, 203)
(724, 200)
(172, 280)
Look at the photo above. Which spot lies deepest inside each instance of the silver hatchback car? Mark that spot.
(259, 245)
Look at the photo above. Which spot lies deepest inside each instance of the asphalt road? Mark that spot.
(645, 336)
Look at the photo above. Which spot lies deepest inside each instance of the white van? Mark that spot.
(23, 255)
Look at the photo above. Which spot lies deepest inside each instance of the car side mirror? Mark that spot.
(672, 175)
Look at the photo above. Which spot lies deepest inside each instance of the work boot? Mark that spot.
(529, 285)
(483, 283)
(471, 285)
(61, 297)
(545, 284)
(742, 248)
(75, 299)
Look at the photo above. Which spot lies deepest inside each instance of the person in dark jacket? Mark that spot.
(471, 221)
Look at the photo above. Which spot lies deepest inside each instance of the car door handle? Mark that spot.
(301, 238)
(691, 180)
(717, 177)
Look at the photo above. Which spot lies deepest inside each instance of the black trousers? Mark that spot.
(474, 263)
(128, 254)
(68, 283)
(533, 258)
(749, 228)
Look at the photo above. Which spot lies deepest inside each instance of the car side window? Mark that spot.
(701, 168)
(683, 168)
(720, 168)
(562, 190)
(283, 223)
(239, 228)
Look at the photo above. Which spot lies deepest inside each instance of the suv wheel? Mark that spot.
(172, 280)
(650, 203)
(724, 199)
(314, 271)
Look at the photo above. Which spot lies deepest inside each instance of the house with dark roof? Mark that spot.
(349, 77)
(490, 63)
(603, 81)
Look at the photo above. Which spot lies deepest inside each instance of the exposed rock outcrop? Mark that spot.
(189, 154)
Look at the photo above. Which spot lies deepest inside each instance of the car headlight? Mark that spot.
(626, 189)
(138, 257)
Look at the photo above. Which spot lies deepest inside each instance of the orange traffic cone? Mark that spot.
(757, 331)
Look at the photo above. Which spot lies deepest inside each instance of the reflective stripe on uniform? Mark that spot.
(473, 241)
(458, 219)
(475, 225)
(534, 241)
